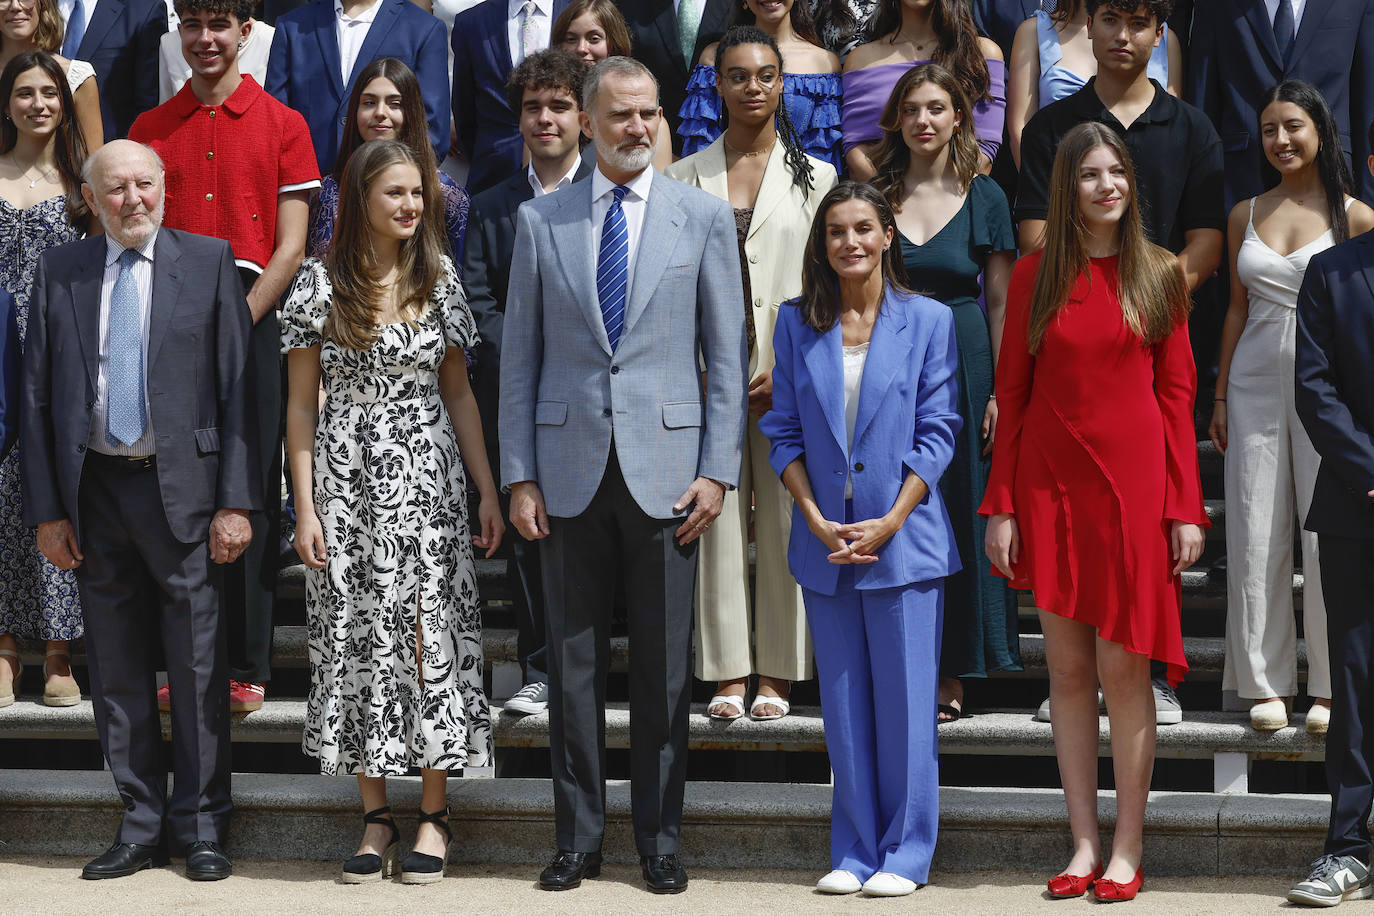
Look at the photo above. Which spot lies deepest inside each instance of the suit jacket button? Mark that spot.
(606, 412)
(80, 449)
(858, 465)
(90, 405)
(615, 370)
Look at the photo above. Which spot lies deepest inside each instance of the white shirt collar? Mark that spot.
(563, 182)
(638, 185)
(513, 7)
(366, 15)
(113, 249)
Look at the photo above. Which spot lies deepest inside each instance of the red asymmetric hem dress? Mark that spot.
(1096, 456)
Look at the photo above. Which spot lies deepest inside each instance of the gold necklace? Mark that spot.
(752, 153)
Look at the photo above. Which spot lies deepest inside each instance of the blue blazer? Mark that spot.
(303, 68)
(10, 358)
(121, 42)
(1234, 59)
(488, 130)
(1335, 384)
(907, 422)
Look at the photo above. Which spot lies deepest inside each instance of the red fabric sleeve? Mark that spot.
(1175, 389)
(1015, 373)
(296, 163)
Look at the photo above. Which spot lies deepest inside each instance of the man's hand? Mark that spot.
(230, 535)
(57, 542)
(527, 511)
(708, 495)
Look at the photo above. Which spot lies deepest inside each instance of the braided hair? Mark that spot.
(797, 163)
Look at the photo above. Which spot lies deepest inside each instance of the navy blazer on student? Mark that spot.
(1335, 384)
(1234, 60)
(488, 131)
(907, 421)
(10, 358)
(303, 69)
(121, 42)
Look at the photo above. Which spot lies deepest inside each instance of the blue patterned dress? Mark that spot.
(37, 600)
(812, 100)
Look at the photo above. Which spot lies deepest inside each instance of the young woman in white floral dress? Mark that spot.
(380, 502)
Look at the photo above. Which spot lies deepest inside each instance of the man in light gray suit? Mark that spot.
(139, 471)
(618, 283)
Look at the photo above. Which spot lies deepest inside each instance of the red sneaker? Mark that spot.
(244, 697)
(164, 698)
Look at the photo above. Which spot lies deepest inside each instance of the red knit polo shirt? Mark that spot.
(227, 164)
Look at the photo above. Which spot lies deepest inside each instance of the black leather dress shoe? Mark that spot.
(663, 874)
(205, 861)
(567, 870)
(123, 859)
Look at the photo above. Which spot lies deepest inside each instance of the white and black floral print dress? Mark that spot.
(389, 493)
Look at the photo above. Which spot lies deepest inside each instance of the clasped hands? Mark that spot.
(856, 543)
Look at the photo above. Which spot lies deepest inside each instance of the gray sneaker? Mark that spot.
(1043, 713)
(1168, 710)
(530, 699)
(1333, 879)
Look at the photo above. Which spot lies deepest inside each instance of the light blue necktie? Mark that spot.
(125, 420)
(76, 30)
(1285, 29)
(612, 267)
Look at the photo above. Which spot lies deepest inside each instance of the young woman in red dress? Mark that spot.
(1094, 499)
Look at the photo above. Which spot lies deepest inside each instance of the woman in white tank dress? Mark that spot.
(1271, 466)
(40, 28)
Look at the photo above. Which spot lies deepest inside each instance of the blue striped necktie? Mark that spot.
(125, 420)
(612, 267)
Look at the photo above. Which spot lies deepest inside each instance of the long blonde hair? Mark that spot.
(352, 257)
(1151, 290)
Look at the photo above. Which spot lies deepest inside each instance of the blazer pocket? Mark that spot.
(681, 414)
(207, 440)
(550, 413)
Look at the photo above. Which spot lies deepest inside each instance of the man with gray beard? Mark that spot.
(140, 469)
(613, 456)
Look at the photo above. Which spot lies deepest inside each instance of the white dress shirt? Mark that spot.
(65, 7)
(143, 276)
(633, 206)
(351, 34)
(541, 23)
(1272, 8)
(854, 360)
(562, 182)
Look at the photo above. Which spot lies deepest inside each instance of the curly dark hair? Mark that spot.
(797, 162)
(553, 68)
(1159, 8)
(242, 10)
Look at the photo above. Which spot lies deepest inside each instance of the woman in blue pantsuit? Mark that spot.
(862, 426)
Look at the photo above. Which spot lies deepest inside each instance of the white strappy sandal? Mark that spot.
(761, 700)
(736, 704)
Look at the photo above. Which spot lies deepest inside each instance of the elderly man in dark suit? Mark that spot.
(139, 470)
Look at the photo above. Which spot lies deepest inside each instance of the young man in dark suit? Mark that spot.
(545, 91)
(120, 39)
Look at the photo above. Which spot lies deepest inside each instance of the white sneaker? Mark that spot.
(886, 884)
(1168, 710)
(530, 699)
(839, 881)
(1043, 713)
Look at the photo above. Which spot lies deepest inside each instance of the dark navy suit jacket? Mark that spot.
(1335, 384)
(1234, 59)
(303, 68)
(907, 421)
(121, 42)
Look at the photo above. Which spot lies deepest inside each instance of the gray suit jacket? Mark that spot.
(198, 386)
(564, 395)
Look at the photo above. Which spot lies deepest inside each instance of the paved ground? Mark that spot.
(51, 886)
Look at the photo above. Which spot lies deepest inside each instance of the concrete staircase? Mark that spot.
(998, 804)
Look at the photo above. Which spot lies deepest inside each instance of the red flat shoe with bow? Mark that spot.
(1114, 891)
(1063, 886)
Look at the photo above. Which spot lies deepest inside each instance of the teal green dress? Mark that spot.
(980, 632)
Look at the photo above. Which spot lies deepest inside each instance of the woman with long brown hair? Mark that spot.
(394, 635)
(1094, 499)
(953, 228)
(903, 34)
(41, 157)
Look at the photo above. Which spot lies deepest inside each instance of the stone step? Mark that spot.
(726, 825)
(1206, 656)
(1226, 738)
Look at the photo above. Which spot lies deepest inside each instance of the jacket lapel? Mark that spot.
(821, 352)
(663, 222)
(572, 222)
(327, 36)
(666, 22)
(498, 40)
(85, 293)
(1312, 17)
(102, 20)
(1367, 260)
(1258, 18)
(889, 351)
(167, 279)
(711, 170)
(776, 185)
(381, 27)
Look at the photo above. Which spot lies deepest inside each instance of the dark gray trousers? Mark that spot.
(581, 560)
(137, 580)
